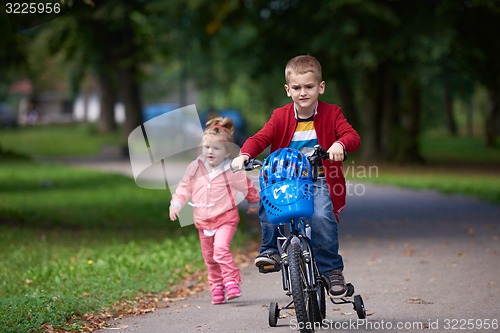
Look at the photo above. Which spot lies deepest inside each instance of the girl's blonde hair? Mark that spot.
(221, 127)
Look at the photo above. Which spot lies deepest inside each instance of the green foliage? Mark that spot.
(234, 53)
(76, 241)
(474, 183)
(456, 165)
(461, 150)
(71, 140)
(46, 280)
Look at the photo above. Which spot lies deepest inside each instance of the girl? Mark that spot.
(213, 187)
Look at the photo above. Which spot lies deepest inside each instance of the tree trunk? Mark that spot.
(451, 124)
(389, 131)
(491, 121)
(131, 97)
(371, 148)
(408, 150)
(346, 93)
(107, 100)
(470, 117)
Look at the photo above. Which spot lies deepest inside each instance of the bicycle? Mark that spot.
(291, 202)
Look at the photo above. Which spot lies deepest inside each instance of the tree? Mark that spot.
(381, 55)
(111, 40)
(477, 51)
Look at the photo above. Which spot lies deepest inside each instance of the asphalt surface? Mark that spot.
(421, 261)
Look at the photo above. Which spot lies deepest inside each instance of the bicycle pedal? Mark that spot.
(269, 268)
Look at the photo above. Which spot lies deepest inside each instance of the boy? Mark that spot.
(301, 125)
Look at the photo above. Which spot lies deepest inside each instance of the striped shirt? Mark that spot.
(304, 139)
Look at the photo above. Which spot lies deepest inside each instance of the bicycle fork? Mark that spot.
(309, 268)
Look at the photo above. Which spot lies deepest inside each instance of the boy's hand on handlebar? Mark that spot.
(238, 162)
(336, 152)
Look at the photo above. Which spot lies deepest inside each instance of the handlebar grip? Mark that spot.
(322, 154)
(249, 165)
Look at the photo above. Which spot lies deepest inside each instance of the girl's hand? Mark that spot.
(239, 162)
(174, 212)
(336, 152)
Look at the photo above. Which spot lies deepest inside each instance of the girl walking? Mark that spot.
(213, 187)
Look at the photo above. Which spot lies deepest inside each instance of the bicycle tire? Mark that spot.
(317, 303)
(274, 313)
(298, 284)
(359, 306)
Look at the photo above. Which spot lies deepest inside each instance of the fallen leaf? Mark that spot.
(416, 300)
(410, 252)
(119, 327)
(374, 261)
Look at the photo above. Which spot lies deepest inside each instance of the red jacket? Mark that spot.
(330, 125)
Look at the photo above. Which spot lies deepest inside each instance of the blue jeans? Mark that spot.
(324, 231)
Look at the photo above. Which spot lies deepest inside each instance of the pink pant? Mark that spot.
(217, 254)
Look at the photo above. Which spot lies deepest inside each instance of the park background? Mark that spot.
(420, 80)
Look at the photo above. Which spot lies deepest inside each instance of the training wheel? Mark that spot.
(359, 307)
(274, 313)
(350, 290)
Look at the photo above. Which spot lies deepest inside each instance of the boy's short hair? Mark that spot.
(303, 64)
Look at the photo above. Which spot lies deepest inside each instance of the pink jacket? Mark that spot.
(213, 196)
(331, 126)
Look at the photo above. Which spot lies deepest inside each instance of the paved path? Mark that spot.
(415, 257)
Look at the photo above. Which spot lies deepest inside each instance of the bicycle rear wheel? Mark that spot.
(300, 293)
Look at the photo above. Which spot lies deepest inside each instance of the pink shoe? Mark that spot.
(218, 295)
(232, 290)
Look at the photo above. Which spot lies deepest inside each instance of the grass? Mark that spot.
(454, 165)
(46, 281)
(56, 140)
(76, 241)
(438, 148)
(478, 183)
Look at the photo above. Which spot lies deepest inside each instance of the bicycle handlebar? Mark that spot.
(249, 165)
(319, 155)
(315, 159)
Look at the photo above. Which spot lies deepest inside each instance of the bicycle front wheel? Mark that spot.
(298, 284)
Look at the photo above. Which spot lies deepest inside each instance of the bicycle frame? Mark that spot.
(298, 233)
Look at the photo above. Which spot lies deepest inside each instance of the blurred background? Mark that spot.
(398, 68)
(419, 80)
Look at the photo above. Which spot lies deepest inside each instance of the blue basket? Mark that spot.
(289, 199)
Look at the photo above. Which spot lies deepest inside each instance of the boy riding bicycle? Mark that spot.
(301, 125)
